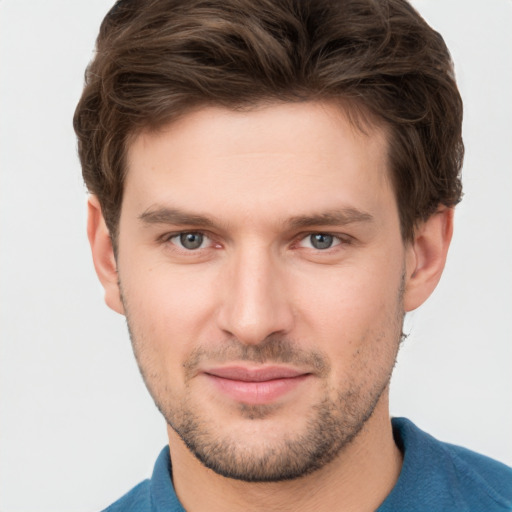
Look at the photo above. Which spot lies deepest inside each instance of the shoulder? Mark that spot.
(154, 495)
(442, 476)
(136, 500)
(476, 470)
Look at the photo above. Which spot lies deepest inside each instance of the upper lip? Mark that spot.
(260, 374)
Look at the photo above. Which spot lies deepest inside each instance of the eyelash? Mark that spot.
(336, 240)
(341, 240)
(167, 238)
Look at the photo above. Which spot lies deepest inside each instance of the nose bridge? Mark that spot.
(254, 305)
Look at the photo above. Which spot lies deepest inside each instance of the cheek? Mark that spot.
(353, 310)
(349, 296)
(167, 311)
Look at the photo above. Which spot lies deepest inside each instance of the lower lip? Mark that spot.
(257, 393)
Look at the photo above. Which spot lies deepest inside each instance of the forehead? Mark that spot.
(283, 156)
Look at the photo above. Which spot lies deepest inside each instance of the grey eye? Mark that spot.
(321, 240)
(191, 241)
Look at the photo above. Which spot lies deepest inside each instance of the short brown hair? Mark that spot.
(158, 59)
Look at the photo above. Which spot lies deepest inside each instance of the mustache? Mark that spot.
(274, 349)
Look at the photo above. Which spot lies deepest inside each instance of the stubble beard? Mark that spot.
(332, 424)
(330, 428)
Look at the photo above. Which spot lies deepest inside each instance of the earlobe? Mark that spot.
(426, 257)
(103, 255)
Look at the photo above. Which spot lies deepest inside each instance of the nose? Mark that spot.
(255, 303)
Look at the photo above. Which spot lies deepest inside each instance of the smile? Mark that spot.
(256, 386)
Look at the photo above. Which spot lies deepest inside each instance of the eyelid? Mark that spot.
(167, 237)
(176, 232)
(340, 238)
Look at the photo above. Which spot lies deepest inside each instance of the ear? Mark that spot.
(103, 255)
(426, 257)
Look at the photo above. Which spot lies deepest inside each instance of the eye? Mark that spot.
(190, 240)
(320, 241)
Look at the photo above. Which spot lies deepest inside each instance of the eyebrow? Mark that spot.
(338, 217)
(163, 215)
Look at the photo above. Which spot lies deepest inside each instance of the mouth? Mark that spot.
(256, 386)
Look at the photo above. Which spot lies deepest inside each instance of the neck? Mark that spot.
(359, 479)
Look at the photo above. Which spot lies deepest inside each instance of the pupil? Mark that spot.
(321, 241)
(191, 240)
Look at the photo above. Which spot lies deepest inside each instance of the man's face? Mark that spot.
(262, 269)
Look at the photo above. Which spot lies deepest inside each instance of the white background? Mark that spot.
(77, 428)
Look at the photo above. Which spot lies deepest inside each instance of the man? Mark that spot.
(272, 188)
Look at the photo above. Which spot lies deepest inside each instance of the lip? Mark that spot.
(262, 374)
(256, 386)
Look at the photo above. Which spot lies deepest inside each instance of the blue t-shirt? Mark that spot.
(435, 477)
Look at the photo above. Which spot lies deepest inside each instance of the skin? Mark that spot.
(257, 295)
